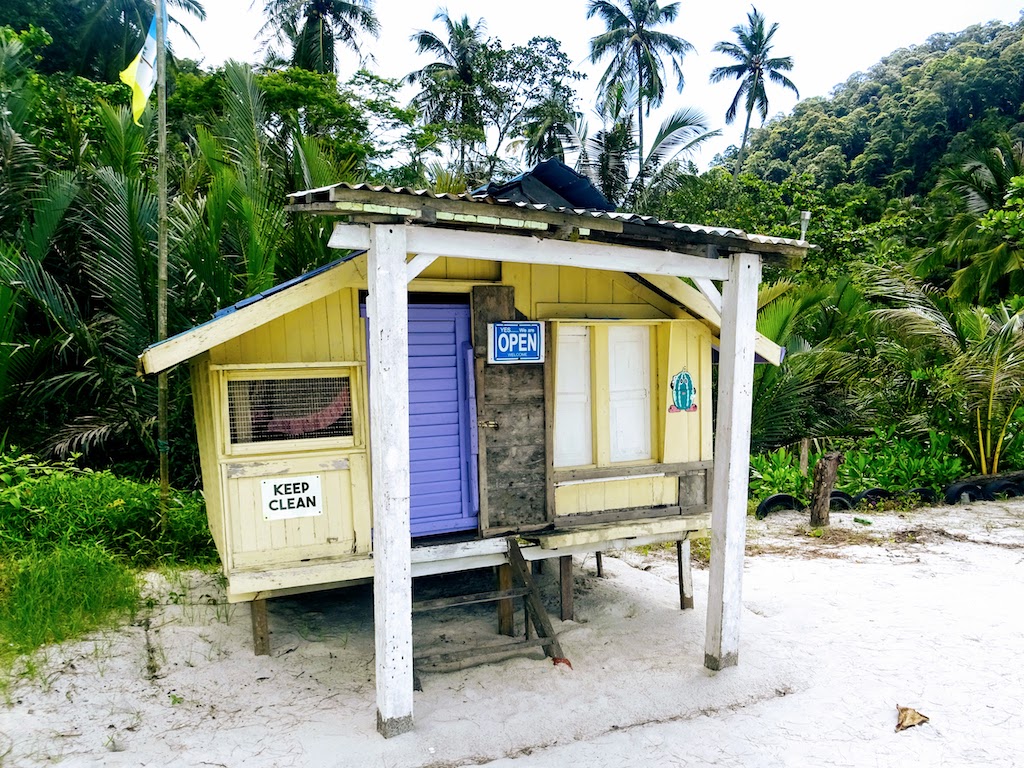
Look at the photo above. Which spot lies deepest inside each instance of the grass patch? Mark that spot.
(54, 595)
(71, 544)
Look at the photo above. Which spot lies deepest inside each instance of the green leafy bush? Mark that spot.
(881, 460)
(70, 540)
(52, 504)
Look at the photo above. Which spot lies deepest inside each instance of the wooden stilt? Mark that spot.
(685, 574)
(732, 461)
(600, 565)
(260, 628)
(506, 618)
(565, 577)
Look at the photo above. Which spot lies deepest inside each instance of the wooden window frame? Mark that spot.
(600, 392)
(354, 373)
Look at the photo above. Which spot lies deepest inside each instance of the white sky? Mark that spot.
(828, 41)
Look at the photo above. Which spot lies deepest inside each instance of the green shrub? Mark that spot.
(52, 595)
(880, 460)
(54, 505)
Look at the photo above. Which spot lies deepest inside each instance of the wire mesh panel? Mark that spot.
(267, 410)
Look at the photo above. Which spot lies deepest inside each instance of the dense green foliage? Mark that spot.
(883, 459)
(896, 126)
(905, 317)
(71, 541)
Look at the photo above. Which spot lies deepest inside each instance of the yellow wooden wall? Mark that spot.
(677, 438)
(328, 330)
(323, 331)
(548, 292)
(446, 268)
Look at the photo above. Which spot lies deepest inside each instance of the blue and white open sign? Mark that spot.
(515, 342)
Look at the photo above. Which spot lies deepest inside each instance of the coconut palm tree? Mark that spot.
(449, 88)
(637, 48)
(967, 360)
(113, 31)
(978, 254)
(607, 156)
(313, 27)
(754, 64)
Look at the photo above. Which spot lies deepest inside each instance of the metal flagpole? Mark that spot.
(161, 261)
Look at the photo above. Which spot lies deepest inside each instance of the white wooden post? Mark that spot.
(732, 461)
(387, 309)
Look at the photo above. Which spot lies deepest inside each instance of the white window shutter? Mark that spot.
(629, 392)
(574, 442)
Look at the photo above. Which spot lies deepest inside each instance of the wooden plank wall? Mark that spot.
(327, 330)
(510, 410)
(547, 292)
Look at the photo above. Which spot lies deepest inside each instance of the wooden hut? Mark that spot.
(475, 370)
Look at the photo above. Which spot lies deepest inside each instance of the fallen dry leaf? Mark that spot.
(908, 718)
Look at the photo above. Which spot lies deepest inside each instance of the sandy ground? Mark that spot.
(922, 609)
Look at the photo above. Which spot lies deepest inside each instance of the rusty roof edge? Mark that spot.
(734, 236)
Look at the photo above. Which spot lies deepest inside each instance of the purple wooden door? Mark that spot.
(442, 420)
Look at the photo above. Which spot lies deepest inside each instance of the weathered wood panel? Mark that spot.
(511, 414)
(600, 495)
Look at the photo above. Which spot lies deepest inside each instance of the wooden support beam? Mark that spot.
(732, 461)
(388, 318)
(685, 574)
(506, 608)
(260, 628)
(697, 303)
(525, 249)
(565, 579)
(710, 292)
(417, 264)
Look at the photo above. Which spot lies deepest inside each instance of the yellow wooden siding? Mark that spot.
(685, 345)
(324, 331)
(335, 533)
(626, 493)
(204, 406)
(544, 292)
(327, 330)
(446, 268)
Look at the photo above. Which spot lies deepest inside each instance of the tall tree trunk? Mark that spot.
(746, 127)
(639, 122)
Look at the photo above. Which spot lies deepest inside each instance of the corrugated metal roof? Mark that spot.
(323, 194)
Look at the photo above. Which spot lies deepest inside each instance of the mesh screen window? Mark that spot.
(267, 410)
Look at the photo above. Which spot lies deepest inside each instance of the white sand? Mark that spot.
(831, 644)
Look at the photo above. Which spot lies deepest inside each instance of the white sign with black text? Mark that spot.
(288, 497)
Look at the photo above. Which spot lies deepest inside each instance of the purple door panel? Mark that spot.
(442, 420)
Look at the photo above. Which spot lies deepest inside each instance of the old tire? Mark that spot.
(927, 495)
(972, 491)
(1001, 489)
(840, 500)
(777, 502)
(871, 496)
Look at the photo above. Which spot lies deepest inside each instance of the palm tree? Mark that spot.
(968, 361)
(113, 31)
(754, 64)
(449, 85)
(637, 49)
(984, 261)
(607, 156)
(314, 26)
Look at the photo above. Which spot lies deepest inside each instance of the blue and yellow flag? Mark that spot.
(140, 75)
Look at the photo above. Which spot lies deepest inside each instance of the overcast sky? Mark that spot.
(828, 41)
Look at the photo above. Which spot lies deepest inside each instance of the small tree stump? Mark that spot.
(824, 481)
